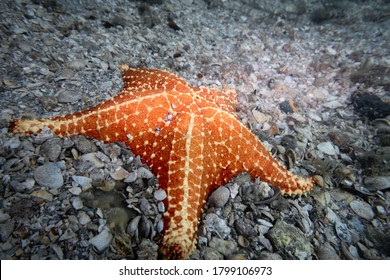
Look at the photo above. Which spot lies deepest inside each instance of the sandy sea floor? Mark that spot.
(312, 79)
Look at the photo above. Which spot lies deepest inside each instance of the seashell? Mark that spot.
(327, 148)
(75, 153)
(381, 123)
(291, 158)
(119, 173)
(319, 180)
(144, 173)
(234, 190)
(93, 158)
(242, 241)
(102, 240)
(132, 177)
(132, 228)
(260, 117)
(264, 223)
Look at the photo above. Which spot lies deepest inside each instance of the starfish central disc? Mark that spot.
(189, 136)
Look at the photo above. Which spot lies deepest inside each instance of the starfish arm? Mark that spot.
(185, 187)
(239, 150)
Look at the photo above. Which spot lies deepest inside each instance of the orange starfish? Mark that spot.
(189, 136)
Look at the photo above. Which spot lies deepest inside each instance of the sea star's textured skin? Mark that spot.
(190, 138)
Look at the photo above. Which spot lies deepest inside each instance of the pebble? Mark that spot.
(75, 190)
(377, 183)
(6, 229)
(160, 194)
(42, 194)
(94, 159)
(211, 254)
(215, 224)
(219, 197)
(327, 252)
(225, 247)
(68, 96)
(244, 227)
(83, 144)
(290, 241)
(77, 203)
(51, 85)
(49, 176)
(83, 218)
(68, 234)
(82, 180)
(3, 216)
(343, 232)
(363, 209)
(51, 148)
(144, 173)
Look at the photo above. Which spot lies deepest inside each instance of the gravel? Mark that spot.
(302, 71)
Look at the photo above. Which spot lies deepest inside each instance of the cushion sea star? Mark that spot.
(189, 136)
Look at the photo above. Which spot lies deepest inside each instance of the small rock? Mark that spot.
(77, 64)
(6, 229)
(343, 231)
(83, 218)
(244, 228)
(77, 203)
(144, 173)
(219, 197)
(3, 216)
(370, 106)
(377, 183)
(68, 234)
(94, 159)
(160, 194)
(265, 255)
(363, 209)
(49, 175)
(75, 190)
(214, 223)
(68, 96)
(82, 180)
(42, 194)
(327, 252)
(84, 145)
(211, 254)
(51, 148)
(102, 240)
(260, 117)
(290, 241)
(225, 247)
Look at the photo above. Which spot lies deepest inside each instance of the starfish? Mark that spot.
(189, 136)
